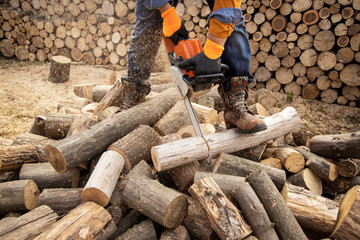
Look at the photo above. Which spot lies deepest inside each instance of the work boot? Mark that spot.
(132, 94)
(236, 113)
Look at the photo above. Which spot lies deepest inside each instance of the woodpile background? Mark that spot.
(307, 48)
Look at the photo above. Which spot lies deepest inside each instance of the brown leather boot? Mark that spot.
(236, 113)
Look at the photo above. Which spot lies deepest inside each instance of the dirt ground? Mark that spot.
(26, 93)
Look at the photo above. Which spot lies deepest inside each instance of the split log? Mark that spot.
(307, 179)
(19, 195)
(196, 149)
(102, 181)
(286, 225)
(161, 204)
(254, 212)
(59, 69)
(85, 221)
(45, 176)
(28, 225)
(57, 125)
(347, 224)
(224, 217)
(13, 157)
(110, 98)
(179, 233)
(61, 200)
(142, 231)
(311, 210)
(337, 145)
(136, 146)
(74, 150)
(349, 167)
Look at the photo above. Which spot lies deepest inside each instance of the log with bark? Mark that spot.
(13, 157)
(179, 233)
(141, 231)
(307, 179)
(349, 167)
(59, 69)
(72, 151)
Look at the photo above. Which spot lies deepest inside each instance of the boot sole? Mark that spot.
(256, 129)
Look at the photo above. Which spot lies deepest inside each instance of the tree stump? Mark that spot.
(59, 69)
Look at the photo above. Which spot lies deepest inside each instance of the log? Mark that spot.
(99, 91)
(205, 114)
(61, 200)
(141, 231)
(308, 180)
(349, 167)
(323, 168)
(277, 125)
(347, 224)
(45, 176)
(254, 212)
(129, 220)
(291, 160)
(84, 221)
(337, 145)
(350, 74)
(28, 225)
(84, 90)
(278, 23)
(57, 125)
(161, 204)
(110, 98)
(286, 225)
(81, 123)
(310, 91)
(272, 162)
(224, 217)
(189, 131)
(311, 17)
(70, 152)
(102, 181)
(18, 195)
(13, 157)
(311, 210)
(179, 233)
(253, 153)
(59, 69)
(38, 126)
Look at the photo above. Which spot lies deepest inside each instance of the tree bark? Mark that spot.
(13, 157)
(179, 233)
(142, 231)
(61, 200)
(59, 69)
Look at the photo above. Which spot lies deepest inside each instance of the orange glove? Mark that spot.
(212, 50)
(171, 23)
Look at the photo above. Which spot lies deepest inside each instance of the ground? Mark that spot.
(26, 93)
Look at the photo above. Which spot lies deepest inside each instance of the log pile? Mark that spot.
(119, 176)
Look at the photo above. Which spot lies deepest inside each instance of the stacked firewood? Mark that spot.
(307, 48)
(142, 172)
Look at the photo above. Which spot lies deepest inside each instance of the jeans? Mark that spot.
(147, 38)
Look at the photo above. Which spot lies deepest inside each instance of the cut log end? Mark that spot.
(155, 159)
(128, 166)
(55, 158)
(31, 195)
(176, 212)
(95, 195)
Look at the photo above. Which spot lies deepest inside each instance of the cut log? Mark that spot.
(311, 17)
(73, 102)
(110, 98)
(310, 91)
(85, 221)
(81, 123)
(189, 131)
(279, 213)
(254, 212)
(349, 167)
(253, 153)
(19, 195)
(13, 157)
(307, 179)
(99, 91)
(277, 125)
(102, 181)
(205, 114)
(38, 126)
(142, 231)
(350, 74)
(136, 145)
(59, 69)
(84, 90)
(278, 23)
(323, 168)
(337, 145)
(161, 204)
(45, 176)
(291, 160)
(224, 217)
(61, 200)
(28, 225)
(347, 224)
(311, 210)
(74, 150)
(57, 125)
(272, 162)
(179, 233)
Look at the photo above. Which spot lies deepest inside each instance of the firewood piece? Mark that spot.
(179, 233)
(324, 41)
(279, 213)
(136, 145)
(174, 119)
(38, 126)
(349, 167)
(272, 162)
(161, 204)
(45, 176)
(323, 168)
(110, 98)
(205, 114)
(142, 231)
(310, 91)
(275, 4)
(302, 138)
(99, 91)
(254, 212)
(189, 131)
(19, 195)
(87, 220)
(311, 17)
(74, 150)
(61, 200)
(350, 74)
(57, 125)
(7, 48)
(29, 225)
(278, 23)
(13, 157)
(307, 179)
(232, 165)
(311, 210)
(81, 123)
(84, 90)
(73, 102)
(347, 224)
(291, 160)
(277, 125)
(224, 217)
(102, 181)
(227, 183)
(324, 13)
(258, 109)
(337, 145)
(252, 153)
(59, 69)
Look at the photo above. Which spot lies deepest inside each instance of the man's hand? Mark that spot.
(172, 26)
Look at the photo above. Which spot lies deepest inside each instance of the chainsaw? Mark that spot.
(186, 82)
